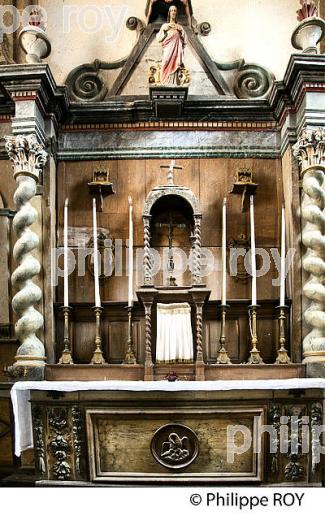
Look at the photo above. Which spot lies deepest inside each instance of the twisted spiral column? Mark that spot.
(197, 245)
(148, 356)
(310, 151)
(199, 332)
(28, 158)
(147, 264)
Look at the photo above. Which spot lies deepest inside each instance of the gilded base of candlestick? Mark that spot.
(223, 358)
(98, 358)
(172, 282)
(283, 356)
(255, 357)
(66, 356)
(130, 358)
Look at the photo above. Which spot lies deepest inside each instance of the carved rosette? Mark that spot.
(28, 158)
(310, 152)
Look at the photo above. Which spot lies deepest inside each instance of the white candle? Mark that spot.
(130, 291)
(65, 249)
(96, 270)
(253, 252)
(283, 260)
(224, 253)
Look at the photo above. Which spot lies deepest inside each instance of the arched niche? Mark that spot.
(157, 11)
(182, 206)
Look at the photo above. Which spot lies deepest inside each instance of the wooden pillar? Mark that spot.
(147, 296)
(199, 296)
(147, 263)
(197, 280)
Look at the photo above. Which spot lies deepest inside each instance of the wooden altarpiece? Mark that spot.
(196, 293)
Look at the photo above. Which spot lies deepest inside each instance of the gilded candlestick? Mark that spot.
(98, 358)
(130, 358)
(66, 356)
(223, 357)
(255, 357)
(283, 357)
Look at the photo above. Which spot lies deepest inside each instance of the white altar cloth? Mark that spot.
(174, 333)
(20, 394)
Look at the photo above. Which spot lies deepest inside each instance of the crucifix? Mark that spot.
(170, 175)
(171, 225)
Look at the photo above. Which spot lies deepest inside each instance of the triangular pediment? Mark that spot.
(137, 82)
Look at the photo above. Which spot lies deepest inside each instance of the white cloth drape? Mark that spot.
(20, 394)
(174, 333)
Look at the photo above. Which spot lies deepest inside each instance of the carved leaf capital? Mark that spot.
(310, 147)
(27, 155)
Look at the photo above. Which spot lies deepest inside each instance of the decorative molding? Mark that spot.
(35, 82)
(101, 145)
(166, 191)
(171, 125)
(305, 73)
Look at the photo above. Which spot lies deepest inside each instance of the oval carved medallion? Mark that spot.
(175, 446)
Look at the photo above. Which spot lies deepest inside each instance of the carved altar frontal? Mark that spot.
(111, 437)
(129, 434)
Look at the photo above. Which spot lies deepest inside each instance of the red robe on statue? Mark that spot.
(173, 46)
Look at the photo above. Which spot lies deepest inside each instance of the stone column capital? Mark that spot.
(27, 155)
(310, 147)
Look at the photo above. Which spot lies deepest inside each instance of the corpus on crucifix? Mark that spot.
(171, 225)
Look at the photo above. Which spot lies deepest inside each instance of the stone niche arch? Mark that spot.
(157, 197)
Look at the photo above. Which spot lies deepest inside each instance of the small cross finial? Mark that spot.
(171, 169)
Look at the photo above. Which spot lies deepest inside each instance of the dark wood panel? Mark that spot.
(114, 331)
(210, 179)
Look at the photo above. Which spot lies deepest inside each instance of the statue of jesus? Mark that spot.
(173, 38)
